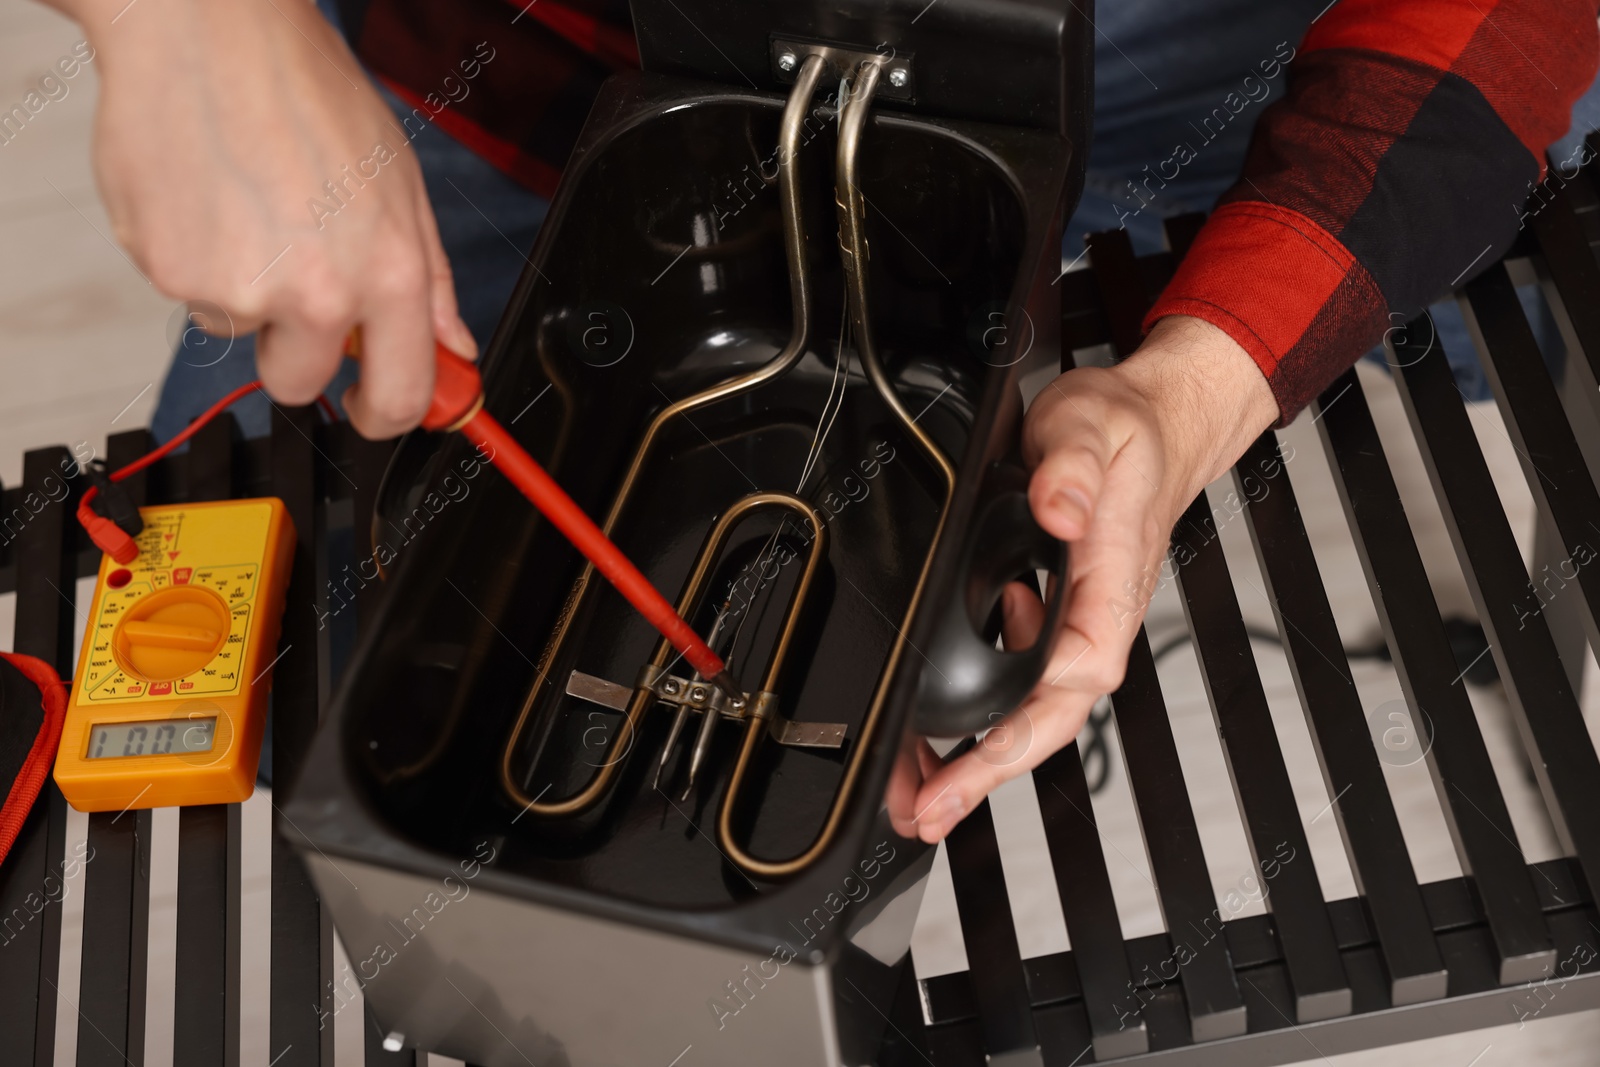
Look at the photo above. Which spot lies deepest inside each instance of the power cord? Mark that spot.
(1467, 642)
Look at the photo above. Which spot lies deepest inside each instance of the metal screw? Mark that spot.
(698, 693)
(670, 687)
(788, 61)
(898, 77)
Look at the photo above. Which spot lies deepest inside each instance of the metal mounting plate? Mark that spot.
(899, 81)
(784, 731)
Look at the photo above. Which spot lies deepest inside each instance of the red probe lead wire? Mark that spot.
(108, 535)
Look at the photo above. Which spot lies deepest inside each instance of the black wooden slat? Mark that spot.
(1561, 884)
(1332, 705)
(959, 1045)
(1177, 860)
(1160, 795)
(206, 1019)
(1253, 942)
(210, 459)
(1571, 276)
(1541, 698)
(905, 1040)
(1005, 1014)
(1090, 910)
(949, 997)
(1350, 925)
(206, 997)
(116, 894)
(302, 947)
(1122, 292)
(1181, 230)
(1053, 978)
(1588, 195)
(1469, 794)
(31, 954)
(122, 449)
(1083, 323)
(1255, 764)
(116, 927)
(1537, 425)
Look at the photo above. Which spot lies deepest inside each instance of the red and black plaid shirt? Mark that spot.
(522, 108)
(1397, 163)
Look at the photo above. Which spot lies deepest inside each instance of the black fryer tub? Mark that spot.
(405, 771)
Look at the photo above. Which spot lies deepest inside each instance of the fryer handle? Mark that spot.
(967, 684)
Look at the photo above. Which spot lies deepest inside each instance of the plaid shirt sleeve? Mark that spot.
(510, 79)
(1397, 164)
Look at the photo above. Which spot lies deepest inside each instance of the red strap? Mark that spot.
(25, 790)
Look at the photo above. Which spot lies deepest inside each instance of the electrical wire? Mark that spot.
(1092, 739)
(825, 421)
(1256, 633)
(841, 363)
(112, 538)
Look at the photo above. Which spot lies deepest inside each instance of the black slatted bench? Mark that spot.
(1311, 978)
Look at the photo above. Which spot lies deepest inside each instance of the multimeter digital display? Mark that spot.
(155, 737)
(170, 696)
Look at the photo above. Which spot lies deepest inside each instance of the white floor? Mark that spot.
(83, 346)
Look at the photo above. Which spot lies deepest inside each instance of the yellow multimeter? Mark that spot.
(170, 697)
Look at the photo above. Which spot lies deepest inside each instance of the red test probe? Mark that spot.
(458, 405)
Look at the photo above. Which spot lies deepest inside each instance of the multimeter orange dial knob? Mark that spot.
(171, 633)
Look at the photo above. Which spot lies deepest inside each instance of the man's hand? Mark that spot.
(220, 127)
(1118, 454)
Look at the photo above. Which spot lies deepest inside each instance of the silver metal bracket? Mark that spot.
(689, 692)
(700, 696)
(899, 81)
(598, 691)
(806, 734)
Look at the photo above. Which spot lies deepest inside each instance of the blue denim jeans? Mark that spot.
(1161, 69)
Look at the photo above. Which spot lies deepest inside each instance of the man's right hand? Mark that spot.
(220, 127)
